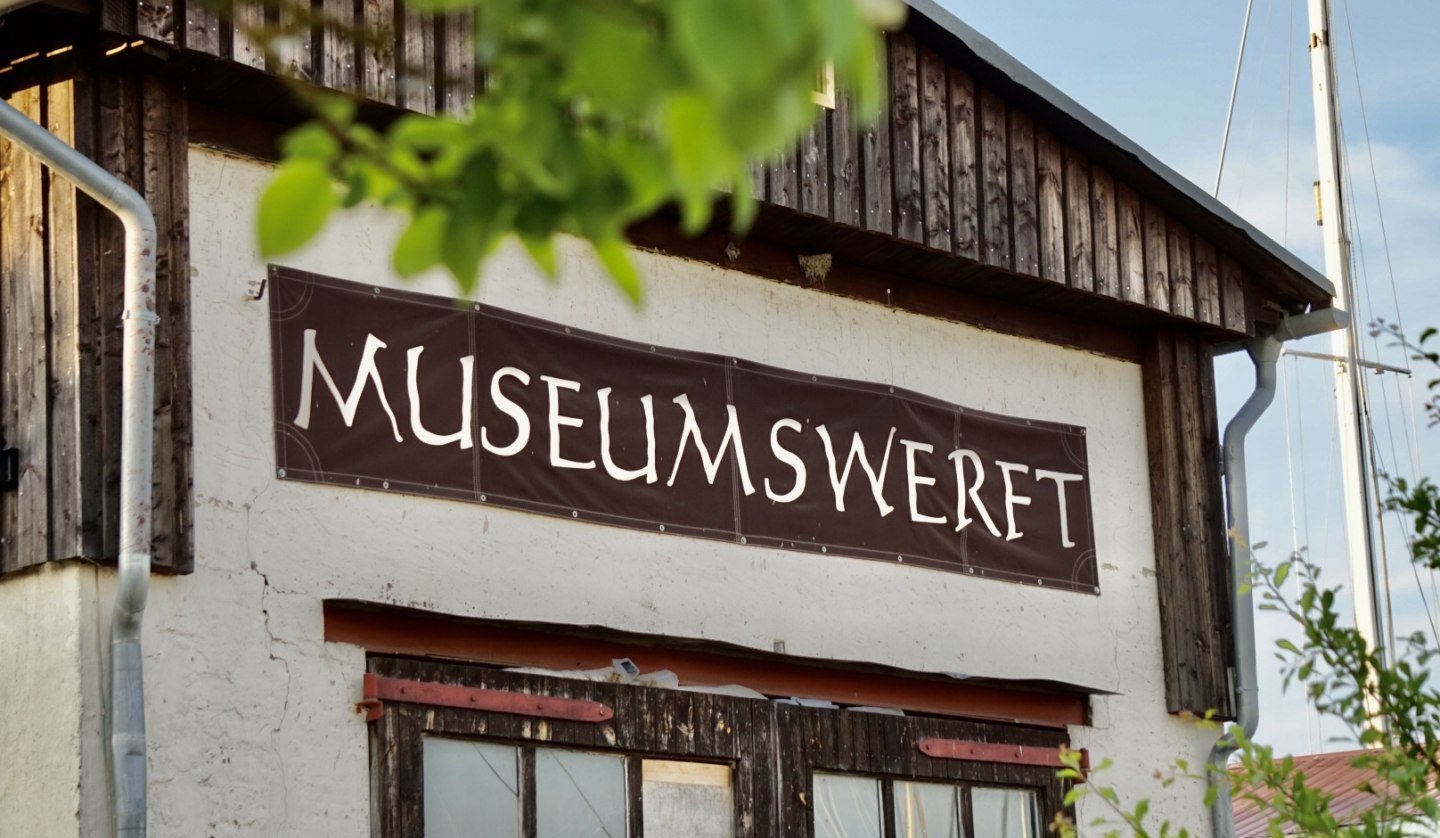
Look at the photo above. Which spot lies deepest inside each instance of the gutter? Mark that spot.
(1264, 352)
(125, 715)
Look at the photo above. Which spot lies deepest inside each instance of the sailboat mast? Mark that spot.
(1352, 410)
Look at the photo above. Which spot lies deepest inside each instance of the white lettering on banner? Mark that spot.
(969, 467)
(787, 457)
(621, 474)
(464, 436)
(311, 362)
(511, 409)
(712, 465)
(961, 456)
(1012, 500)
(839, 479)
(914, 480)
(554, 386)
(1060, 478)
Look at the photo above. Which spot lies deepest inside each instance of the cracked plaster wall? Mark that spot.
(251, 712)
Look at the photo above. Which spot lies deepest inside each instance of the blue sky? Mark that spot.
(1161, 73)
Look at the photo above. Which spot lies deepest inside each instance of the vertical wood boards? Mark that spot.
(847, 201)
(377, 52)
(62, 290)
(815, 166)
(1234, 310)
(905, 123)
(24, 356)
(165, 183)
(417, 61)
(339, 54)
(782, 181)
(155, 19)
(994, 181)
(1132, 245)
(1079, 222)
(202, 28)
(1207, 283)
(1106, 227)
(1182, 272)
(935, 160)
(1157, 262)
(457, 62)
(1050, 175)
(247, 16)
(1183, 445)
(876, 173)
(74, 473)
(1024, 194)
(964, 167)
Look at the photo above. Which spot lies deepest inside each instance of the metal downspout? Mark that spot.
(1264, 352)
(126, 712)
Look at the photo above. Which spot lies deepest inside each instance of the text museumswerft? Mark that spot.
(404, 392)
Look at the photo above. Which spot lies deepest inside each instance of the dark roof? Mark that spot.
(1010, 68)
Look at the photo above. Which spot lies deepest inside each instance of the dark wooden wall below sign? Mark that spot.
(62, 290)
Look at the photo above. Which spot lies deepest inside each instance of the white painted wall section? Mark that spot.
(251, 713)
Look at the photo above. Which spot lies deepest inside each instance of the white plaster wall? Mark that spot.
(48, 649)
(251, 712)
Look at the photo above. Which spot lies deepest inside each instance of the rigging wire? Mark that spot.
(1289, 101)
(1295, 549)
(1234, 88)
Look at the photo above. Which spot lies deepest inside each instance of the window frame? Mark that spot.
(773, 748)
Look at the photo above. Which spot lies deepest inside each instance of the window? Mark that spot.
(677, 764)
(865, 807)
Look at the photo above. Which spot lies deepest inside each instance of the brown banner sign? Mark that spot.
(403, 392)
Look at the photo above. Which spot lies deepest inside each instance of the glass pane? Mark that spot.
(1005, 813)
(470, 789)
(847, 807)
(579, 795)
(687, 800)
(927, 810)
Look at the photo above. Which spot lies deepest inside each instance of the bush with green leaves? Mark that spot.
(593, 115)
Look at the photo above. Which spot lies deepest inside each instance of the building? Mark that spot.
(366, 618)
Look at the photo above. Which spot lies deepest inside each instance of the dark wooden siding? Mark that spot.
(955, 164)
(62, 287)
(1190, 552)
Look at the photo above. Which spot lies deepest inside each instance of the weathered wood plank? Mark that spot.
(783, 181)
(418, 61)
(377, 54)
(24, 345)
(155, 19)
(1106, 232)
(1024, 194)
(1132, 244)
(876, 178)
(457, 62)
(935, 178)
(1212, 517)
(1182, 271)
(74, 472)
(1207, 283)
(846, 201)
(995, 181)
(246, 21)
(964, 164)
(815, 166)
(905, 123)
(1157, 261)
(201, 32)
(1051, 208)
(166, 189)
(293, 53)
(1079, 230)
(339, 62)
(1159, 385)
(1234, 313)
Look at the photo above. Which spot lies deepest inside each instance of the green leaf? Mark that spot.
(542, 250)
(420, 247)
(614, 256)
(1281, 573)
(294, 206)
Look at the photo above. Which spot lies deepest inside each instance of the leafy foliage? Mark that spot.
(594, 113)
